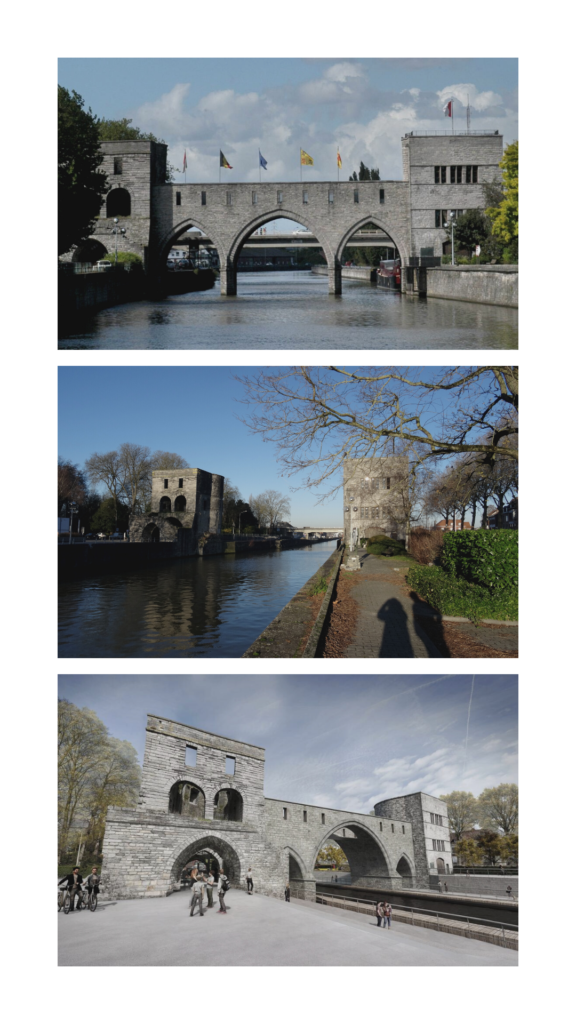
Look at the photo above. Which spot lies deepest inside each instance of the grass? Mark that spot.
(451, 595)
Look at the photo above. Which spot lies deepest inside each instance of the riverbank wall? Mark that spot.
(486, 284)
(349, 273)
(297, 630)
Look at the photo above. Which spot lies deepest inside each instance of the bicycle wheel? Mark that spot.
(93, 902)
(66, 905)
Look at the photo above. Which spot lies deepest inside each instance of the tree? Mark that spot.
(81, 185)
(462, 811)
(135, 463)
(71, 484)
(320, 416)
(509, 847)
(123, 130)
(441, 497)
(498, 808)
(490, 844)
(335, 854)
(270, 507)
(106, 468)
(467, 851)
(365, 173)
(470, 229)
(110, 516)
(504, 216)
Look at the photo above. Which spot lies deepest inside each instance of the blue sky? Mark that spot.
(338, 741)
(279, 105)
(189, 410)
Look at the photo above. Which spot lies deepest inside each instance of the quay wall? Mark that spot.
(492, 285)
(351, 273)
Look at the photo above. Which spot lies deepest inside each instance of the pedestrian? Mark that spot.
(387, 915)
(287, 892)
(379, 913)
(445, 886)
(222, 888)
(249, 882)
(509, 891)
(209, 889)
(197, 895)
(439, 886)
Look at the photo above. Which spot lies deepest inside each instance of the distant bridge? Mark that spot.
(330, 532)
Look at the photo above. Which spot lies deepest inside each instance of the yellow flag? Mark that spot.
(305, 159)
(338, 159)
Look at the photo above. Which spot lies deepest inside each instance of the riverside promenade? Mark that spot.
(257, 931)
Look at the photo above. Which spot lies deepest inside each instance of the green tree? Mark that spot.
(123, 130)
(504, 216)
(470, 229)
(333, 853)
(110, 516)
(498, 808)
(490, 844)
(467, 851)
(365, 173)
(81, 185)
(509, 846)
(462, 811)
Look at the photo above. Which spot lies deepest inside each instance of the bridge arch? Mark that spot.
(405, 868)
(223, 851)
(279, 213)
(364, 850)
(380, 223)
(179, 230)
(151, 534)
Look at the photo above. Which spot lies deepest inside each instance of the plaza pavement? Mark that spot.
(257, 931)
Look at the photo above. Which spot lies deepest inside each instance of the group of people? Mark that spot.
(75, 882)
(383, 914)
(204, 883)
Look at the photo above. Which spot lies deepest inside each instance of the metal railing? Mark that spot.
(475, 131)
(325, 898)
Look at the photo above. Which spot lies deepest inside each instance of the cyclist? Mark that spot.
(93, 882)
(73, 884)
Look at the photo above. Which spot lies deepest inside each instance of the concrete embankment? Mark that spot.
(349, 273)
(297, 630)
(490, 285)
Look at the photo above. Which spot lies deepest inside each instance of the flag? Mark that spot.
(338, 159)
(184, 163)
(263, 162)
(448, 109)
(224, 162)
(305, 159)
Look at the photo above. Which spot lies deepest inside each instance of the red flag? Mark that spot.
(448, 109)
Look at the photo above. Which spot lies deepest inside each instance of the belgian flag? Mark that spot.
(224, 162)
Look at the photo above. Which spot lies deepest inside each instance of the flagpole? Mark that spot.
(301, 179)
(452, 115)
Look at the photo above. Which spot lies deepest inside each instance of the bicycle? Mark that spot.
(92, 899)
(82, 903)
(63, 900)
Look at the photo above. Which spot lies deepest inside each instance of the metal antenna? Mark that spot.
(468, 114)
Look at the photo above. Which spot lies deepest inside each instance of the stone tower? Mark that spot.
(189, 499)
(373, 497)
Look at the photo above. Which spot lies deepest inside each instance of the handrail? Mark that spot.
(399, 906)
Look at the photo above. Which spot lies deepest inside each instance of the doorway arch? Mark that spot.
(228, 805)
(187, 799)
(225, 853)
(118, 203)
(150, 534)
(441, 865)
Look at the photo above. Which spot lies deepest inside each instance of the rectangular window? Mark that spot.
(433, 844)
(432, 817)
(285, 813)
(304, 815)
(437, 175)
(381, 196)
(356, 195)
(443, 175)
(438, 216)
(117, 165)
(475, 175)
(181, 481)
(330, 196)
(228, 199)
(191, 756)
(230, 765)
(279, 197)
(471, 174)
(203, 198)
(388, 483)
(455, 175)
(392, 827)
(380, 826)
(165, 485)
(178, 199)
(304, 197)
(343, 831)
(254, 198)
(403, 830)
(323, 816)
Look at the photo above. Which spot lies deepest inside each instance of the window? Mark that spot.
(304, 816)
(285, 813)
(228, 199)
(330, 196)
(392, 827)
(117, 165)
(203, 198)
(471, 174)
(388, 483)
(230, 765)
(403, 830)
(304, 197)
(254, 198)
(439, 175)
(380, 826)
(165, 485)
(191, 753)
(455, 175)
(279, 197)
(181, 481)
(381, 196)
(118, 203)
(343, 831)
(178, 199)
(356, 195)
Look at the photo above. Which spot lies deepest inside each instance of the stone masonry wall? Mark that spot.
(364, 497)
(416, 808)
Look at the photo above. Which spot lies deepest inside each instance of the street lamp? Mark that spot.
(450, 224)
(244, 511)
(117, 231)
(72, 508)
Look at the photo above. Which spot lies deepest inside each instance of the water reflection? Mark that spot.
(294, 310)
(197, 607)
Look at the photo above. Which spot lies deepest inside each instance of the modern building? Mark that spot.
(375, 498)
(202, 797)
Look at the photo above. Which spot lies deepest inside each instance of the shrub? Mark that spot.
(426, 545)
(486, 557)
(383, 545)
(125, 257)
(452, 596)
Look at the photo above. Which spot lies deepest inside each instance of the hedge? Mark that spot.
(383, 545)
(453, 596)
(486, 557)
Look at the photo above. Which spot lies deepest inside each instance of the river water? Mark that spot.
(293, 310)
(184, 608)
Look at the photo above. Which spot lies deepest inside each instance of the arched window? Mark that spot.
(187, 799)
(180, 503)
(118, 203)
(165, 505)
(228, 805)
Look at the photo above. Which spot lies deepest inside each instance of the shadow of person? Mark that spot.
(396, 642)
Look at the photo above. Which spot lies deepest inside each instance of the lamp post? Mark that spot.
(244, 511)
(450, 224)
(72, 508)
(117, 231)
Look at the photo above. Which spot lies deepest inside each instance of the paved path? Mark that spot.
(386, 626)
(258, 932)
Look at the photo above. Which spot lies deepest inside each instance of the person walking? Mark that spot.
(287, 892)
(387, 915)
(222, 888)
(379, 913)
(209, 889)
(249, 882)
(197, 895)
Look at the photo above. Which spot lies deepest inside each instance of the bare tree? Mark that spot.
(270, 507)
(168, 460)
(71, 484)
(107, 468)
(441, 497)
(320, 416)
(135, 460)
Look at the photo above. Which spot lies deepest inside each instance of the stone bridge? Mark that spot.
(441, 171)
(202, 796)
